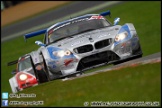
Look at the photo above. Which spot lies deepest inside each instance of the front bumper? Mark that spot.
(107, 54)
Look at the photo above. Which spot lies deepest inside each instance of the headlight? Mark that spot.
(62, 53)
(23, 77)
(121, 36)
(67, 52)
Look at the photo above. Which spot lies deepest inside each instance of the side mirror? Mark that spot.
(116, 20)
(13, 72)
(39, 43)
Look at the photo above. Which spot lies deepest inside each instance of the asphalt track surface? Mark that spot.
(154, 58)
(49, 16)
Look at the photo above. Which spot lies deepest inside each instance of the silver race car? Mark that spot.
(83, 42)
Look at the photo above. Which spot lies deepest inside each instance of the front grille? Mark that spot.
(96, 59)
(103, 43)
(83, 49)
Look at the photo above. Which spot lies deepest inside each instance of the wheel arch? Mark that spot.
(37, 60)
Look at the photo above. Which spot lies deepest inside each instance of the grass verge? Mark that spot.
(132, 84)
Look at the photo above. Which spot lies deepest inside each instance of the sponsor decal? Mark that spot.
(67, 62)
(30, 79)
(53, 64)
(50, 32)
(123, 45)
(61, 26)
(77, 42)
(79, 20)
(96, 17)
(36, 60)
(134, 41)
(125, 49)
(104, 35)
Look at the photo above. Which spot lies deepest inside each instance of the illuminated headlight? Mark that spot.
(61, 53)
(23, 77)
(121, 36)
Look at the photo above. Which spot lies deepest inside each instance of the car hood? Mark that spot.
(87, 38)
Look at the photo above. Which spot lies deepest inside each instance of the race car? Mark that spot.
(79, 43)
(26, 74)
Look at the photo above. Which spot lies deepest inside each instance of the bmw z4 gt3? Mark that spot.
(82, 42)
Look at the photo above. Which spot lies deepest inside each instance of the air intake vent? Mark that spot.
(103, 43)
(96, 59)
(83, 49)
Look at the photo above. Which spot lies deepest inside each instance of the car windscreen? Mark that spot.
(24, 63)
(75, 27)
